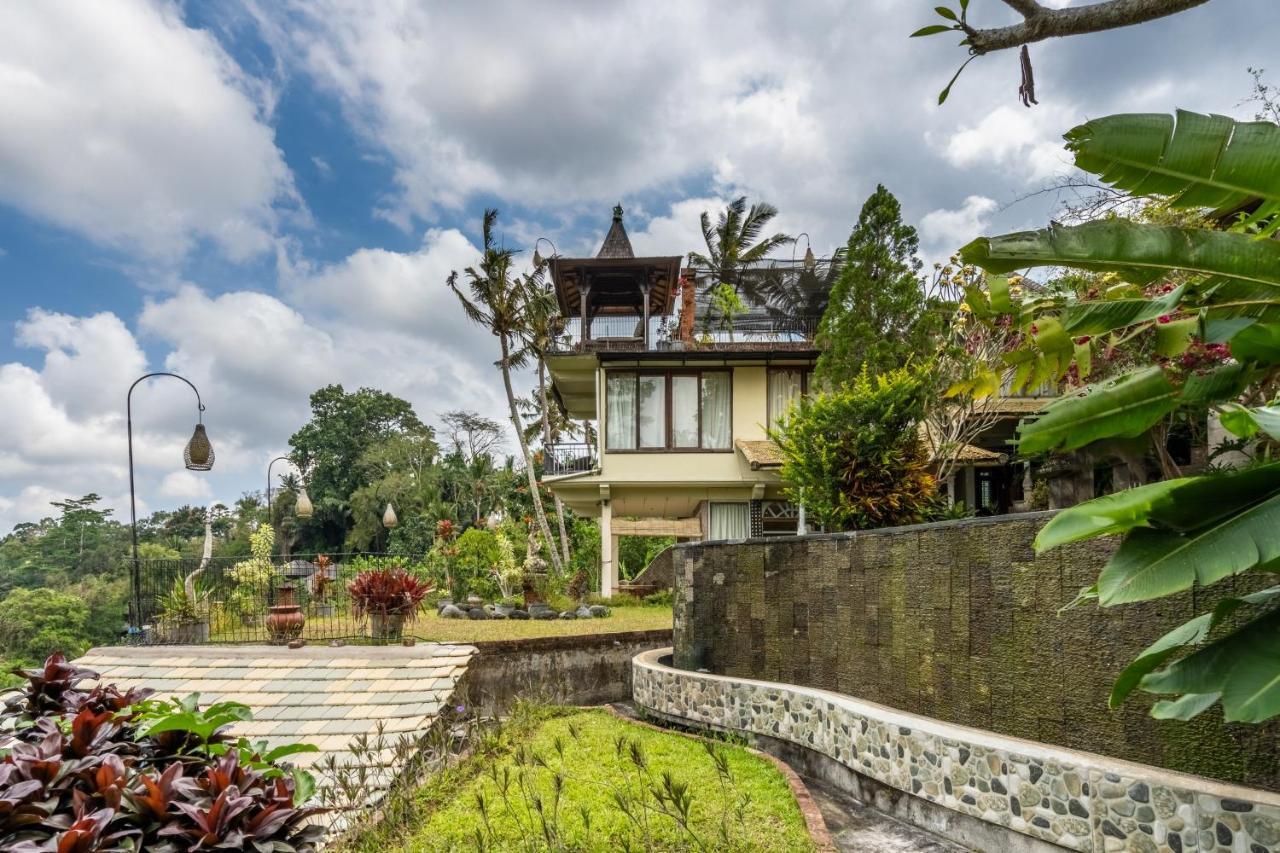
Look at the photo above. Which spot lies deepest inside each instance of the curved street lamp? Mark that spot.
(302, 508)
(810, 262)
(538, 260)
(196, 456)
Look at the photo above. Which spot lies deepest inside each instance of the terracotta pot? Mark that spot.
(386, 626)
(285, 620)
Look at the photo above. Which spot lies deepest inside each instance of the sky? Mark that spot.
(266, 196)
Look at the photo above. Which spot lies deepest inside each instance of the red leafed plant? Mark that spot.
(391, 592)
(97, 770)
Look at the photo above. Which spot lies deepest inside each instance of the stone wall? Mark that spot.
(955, 621)
(1026, 794)
(588, 669)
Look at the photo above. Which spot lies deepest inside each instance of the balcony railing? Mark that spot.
(568, 458)
(624, 333)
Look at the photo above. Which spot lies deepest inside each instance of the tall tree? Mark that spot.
(878, 316)
(499, 301)
(735, 240)
(342, 428)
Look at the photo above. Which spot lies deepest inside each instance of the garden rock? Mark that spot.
(518, 614)
(599, 611)
(568, 614)
(543, 614)
(452, 611)
(443, 603)
(583, 612)
(493, 612)
(477, 613)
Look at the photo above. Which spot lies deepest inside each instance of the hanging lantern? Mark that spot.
(389, 517)
(537, 259)
(303, 507)
(810, 262)
(198, 454)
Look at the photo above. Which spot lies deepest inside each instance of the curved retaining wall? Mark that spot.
(957, 621)
(1077, 800)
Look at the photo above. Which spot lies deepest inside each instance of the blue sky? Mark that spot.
(267, 196)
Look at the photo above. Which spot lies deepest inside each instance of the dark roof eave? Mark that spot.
(708, 355)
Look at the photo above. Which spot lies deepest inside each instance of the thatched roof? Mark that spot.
(759, 454)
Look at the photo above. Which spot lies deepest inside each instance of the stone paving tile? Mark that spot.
(326, 697)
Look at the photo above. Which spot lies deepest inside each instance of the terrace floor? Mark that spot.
(321, 695)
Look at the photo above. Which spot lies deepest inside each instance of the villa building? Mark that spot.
(681, 395)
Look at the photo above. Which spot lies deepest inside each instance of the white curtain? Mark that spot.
(717, 432)
(684, 411)
(785, 387)
(620, 412)
(653, 411)
(730, 521)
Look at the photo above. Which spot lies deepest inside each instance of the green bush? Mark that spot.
(475, 554)
(37, 622)
(853, 456)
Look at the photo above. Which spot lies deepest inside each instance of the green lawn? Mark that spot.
(429, 626)
(598, 759)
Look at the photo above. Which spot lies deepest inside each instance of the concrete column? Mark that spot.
(608, 560)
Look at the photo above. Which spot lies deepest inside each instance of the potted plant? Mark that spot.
(390, 598)
(321, 588)
(506, 572)
(184, 612)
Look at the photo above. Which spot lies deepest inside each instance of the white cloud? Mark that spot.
(134, 130)
(185, 487)
(943, 231)
(88, 360)
(1027, 143)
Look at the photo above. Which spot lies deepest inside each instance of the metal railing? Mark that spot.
(621, 333)
(568, 458)
(242, 601)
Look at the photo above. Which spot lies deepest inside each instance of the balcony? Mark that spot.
(624, 333)
(568, 458)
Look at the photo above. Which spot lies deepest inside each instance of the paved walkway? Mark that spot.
(317, 694)
(858, 828)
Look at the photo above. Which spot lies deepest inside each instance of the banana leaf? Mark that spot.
(1190, 633)
(1141, 253)
(1259, 342)
(1155, 563)
(1119, 408)
(1194, 160)
(1096, 316)
(1242, 666)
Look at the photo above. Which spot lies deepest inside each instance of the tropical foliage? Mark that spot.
(854, 456)
(104, 769)
(736, 241)
(1207, 299)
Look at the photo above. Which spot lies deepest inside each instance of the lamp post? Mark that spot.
(303, 508)
(538, 260)
(810, 262)
(196, 456)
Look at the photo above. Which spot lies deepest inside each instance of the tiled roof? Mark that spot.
(760, 454)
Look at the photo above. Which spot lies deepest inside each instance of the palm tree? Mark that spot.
(732, 243)
(500, 302)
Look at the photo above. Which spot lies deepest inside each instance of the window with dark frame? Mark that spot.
(688, 410)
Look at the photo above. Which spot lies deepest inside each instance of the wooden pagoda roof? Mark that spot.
(614, 277)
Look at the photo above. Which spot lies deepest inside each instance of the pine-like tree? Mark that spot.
(878, 315)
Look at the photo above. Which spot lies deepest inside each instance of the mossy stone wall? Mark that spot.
(957, 621)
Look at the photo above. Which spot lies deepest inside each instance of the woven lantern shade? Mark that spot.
(198, 454)
(303, 507)
(389, 517)
(810, 262)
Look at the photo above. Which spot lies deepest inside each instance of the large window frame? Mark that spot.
(806, 375)
(668, 408)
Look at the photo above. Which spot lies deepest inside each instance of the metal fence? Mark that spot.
(570, 457)
(239, 600)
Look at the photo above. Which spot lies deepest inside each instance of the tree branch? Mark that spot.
(1040, 23)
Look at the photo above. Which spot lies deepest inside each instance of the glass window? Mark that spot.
(785, 389)
(684, 411)
(653, 411)
(730, 521)
(717, 411)
(620, 414)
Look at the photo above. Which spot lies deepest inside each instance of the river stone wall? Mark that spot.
(959, 622)
(1073, 799)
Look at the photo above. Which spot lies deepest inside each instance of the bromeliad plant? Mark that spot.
(1206, 301)
(104, 770)
(387, 592)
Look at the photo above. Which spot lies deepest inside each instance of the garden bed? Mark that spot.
(622, 785)
(430, 627)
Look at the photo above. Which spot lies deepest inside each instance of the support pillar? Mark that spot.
(584, 295)
(608, 556)
(644, 294)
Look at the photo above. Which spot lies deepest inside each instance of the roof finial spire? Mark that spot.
(617, 213)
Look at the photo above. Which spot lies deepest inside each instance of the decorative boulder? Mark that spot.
(493, 612)
(583, 612)
(518, 614)
(599, 611)
(452, 611)
(443, 603)
(568, 614)
(477, 613)
(543, 614)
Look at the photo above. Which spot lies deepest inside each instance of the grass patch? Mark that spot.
(584, 780)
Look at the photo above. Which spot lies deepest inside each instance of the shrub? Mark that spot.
(102, 769)
(253, 576)
(853, 456)
(474, 555)
(392, 592)
(35, 622)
